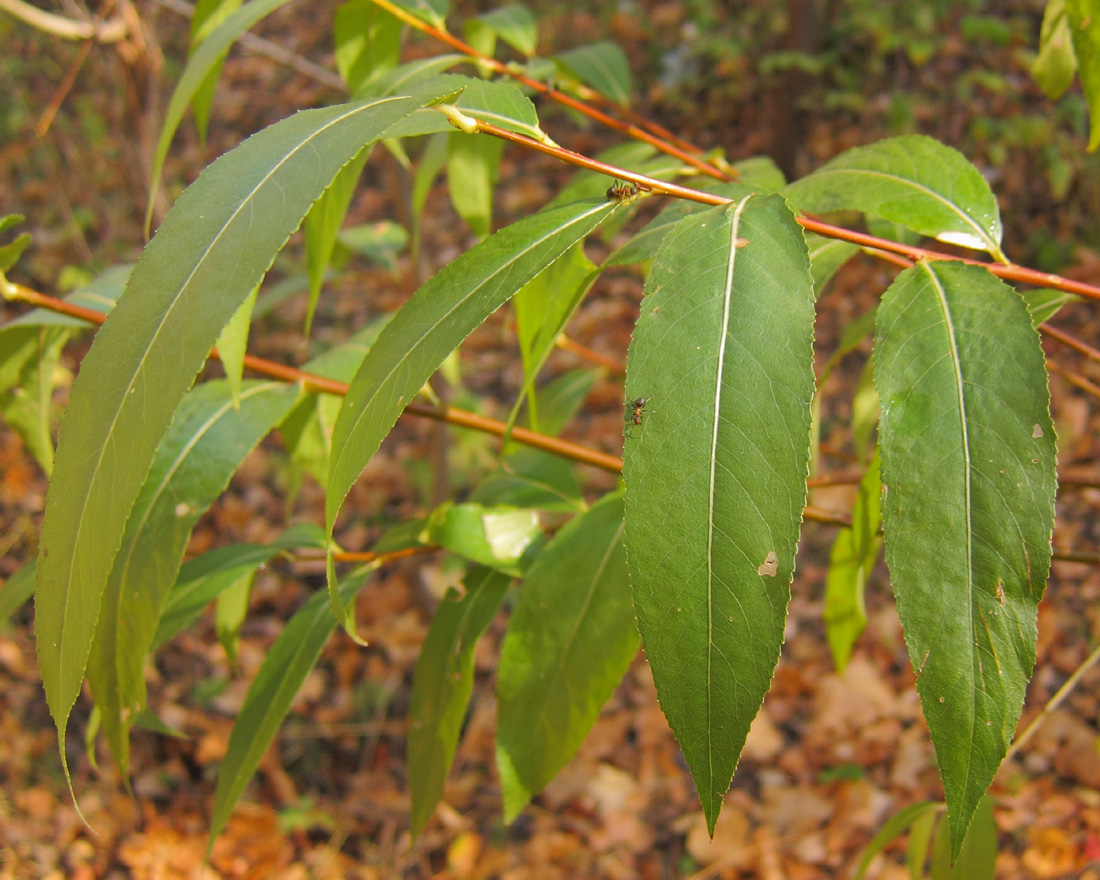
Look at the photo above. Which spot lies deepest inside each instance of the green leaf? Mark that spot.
(911, 180)
(496, 537)
(406, 77)
(322, 226)
(442, 685)
(208, 439)
(432, 162)
(100, 295)
(499, 103)
(208, 55)
(233, 344)
(1044, 303)
(434, 12)
(759, 172)
(473, 162)
(18, 588)
(284, 669)
(513, 23)
(853, 556)
(977, 860)
(644, 245)
(368, 42)
(920, 838)
(202, 579)
(213, 248)
(893, 829)
(570, 640)
(532, 478)
(968, 466)
(827, 255)
(431, 325)
(208, 15)
(29, 360)
(230, 610)
(716, 473)
(1056, 63)
(601, 65)
(1084, 27)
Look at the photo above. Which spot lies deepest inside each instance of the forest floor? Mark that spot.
(829, 759)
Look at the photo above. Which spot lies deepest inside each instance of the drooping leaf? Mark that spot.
(853, 556)
(285, 667)
(977, 860)
(208, 15)
(603, 66)
(968, 467)
(911, 180)
(473, 163)
(322, 226)
(1056, 63)
(208, 439)
(1084, 27)
(442, 684)
(497, 537)
(570, 640)
(513, 23)
(431, 325)
(716, 472)
(233, 344)
(209, 54)
(202, 579)
(213, 248)
(18, 588)
(368, 42)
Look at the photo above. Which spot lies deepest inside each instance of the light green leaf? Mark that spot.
(716, 472)
(284, 669)
(920, 838)
(473, 162)
(202, 579)
(895, 826)
(911, 180)
(230, 609)
(322, 226)
(569, 643)
(431, 325)
(29, 361)
(18, 588)
(853, 556)
(496, 537)
(233, 344)
(513, 23)
(978, 858)
(368, 42)
(208, 15)
(208, 439)
(968, 456)
(1084, 27)
(499, 103)
(442, 684)
(434, 12)
(213, 248)
(1056, 63)
(601, 65)
(208, 55)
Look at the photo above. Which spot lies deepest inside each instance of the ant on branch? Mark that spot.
(625, 192)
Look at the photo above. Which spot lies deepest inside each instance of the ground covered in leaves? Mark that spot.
(830, 758)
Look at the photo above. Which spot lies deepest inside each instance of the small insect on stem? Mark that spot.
(625, 192)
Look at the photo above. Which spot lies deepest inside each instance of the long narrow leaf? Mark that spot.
(442, 685)
(205, 445)
(716, 469)
(431, 325)
(212, 249)
(569, 643)
(284, 669)
(968, 459)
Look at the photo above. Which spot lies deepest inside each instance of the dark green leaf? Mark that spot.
(570, 640)
(968, 467)
(442, 685)
(716, 472)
